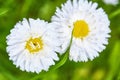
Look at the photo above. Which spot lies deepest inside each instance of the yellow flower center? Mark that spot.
(80, 29)
(34, 45)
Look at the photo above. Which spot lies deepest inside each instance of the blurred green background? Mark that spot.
(104, 67)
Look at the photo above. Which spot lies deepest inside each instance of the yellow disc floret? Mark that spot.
(34, 45)
(80, 29)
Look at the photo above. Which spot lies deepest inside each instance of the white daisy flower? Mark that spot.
(112, 2)
(32, 45)
(86, 24)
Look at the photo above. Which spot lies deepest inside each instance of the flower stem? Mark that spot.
(64, 59)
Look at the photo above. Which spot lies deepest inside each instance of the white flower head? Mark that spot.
(112, 2)
(32, 45)
(86, 24)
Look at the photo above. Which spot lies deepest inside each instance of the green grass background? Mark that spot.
(104, 67)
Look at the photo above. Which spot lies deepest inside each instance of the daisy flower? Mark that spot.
(112, 2)
(32, 45)
(86, 24)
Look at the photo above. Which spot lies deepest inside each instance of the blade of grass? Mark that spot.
(7, 73)
(3, 11)
(114, 14)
